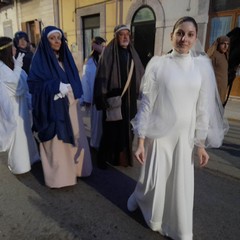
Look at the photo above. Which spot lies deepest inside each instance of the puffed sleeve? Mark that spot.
(210, 123)
(148, 94)
(15, 81)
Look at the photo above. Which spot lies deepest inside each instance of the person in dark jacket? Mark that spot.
(111, 77)
(22, 45)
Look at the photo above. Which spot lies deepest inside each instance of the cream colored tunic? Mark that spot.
(62, 162)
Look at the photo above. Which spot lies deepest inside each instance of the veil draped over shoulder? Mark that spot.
(161, 117)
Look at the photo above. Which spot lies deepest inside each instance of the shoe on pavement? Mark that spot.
(132, 203)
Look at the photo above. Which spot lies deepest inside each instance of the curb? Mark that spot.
(222, 167)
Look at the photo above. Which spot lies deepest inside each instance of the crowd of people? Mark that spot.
(180, 95)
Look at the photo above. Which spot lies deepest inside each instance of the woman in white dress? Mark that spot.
(180, 107)
(15, 117)
(88, 80)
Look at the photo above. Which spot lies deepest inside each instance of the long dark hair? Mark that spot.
(6, 51)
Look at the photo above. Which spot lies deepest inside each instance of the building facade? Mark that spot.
(27, 15)
(151, 22)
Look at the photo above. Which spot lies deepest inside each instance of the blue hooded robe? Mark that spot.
(51, 117)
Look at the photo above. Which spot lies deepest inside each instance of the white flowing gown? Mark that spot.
(173, 109)
(15, 131)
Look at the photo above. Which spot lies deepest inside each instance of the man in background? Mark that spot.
(112, 74)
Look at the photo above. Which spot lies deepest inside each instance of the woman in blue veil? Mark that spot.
(56, 87)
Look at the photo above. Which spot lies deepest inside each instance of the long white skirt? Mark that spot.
(23, 150)
(165, 188)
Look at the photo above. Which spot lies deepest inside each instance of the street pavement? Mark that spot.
(232, 109)
(226, 159)
(95, 208)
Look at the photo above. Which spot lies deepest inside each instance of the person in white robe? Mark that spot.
(15, 117)
(88, 80)
(180, 108)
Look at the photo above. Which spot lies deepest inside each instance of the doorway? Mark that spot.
(143, 33)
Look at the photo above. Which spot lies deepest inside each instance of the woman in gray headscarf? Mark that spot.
(218, 53)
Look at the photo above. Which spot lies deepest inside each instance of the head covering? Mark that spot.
(18, 36)
(108, 72)
(5, 42)
(223, 39)
(98, 40)
(6, 51)
(121, 27)
(44, 79)
(97, 44)
(54, 31)
(5, 46)
(216, 43)
(45, 64)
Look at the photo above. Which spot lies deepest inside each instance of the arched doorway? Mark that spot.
(143, 33)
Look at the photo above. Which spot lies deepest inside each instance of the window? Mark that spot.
(224, 15)
(91, 29)
(143, 15)
(219, 26)
(7, 29)
(33, 29)
(223, 5)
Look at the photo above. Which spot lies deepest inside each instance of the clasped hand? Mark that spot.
(64, 88)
